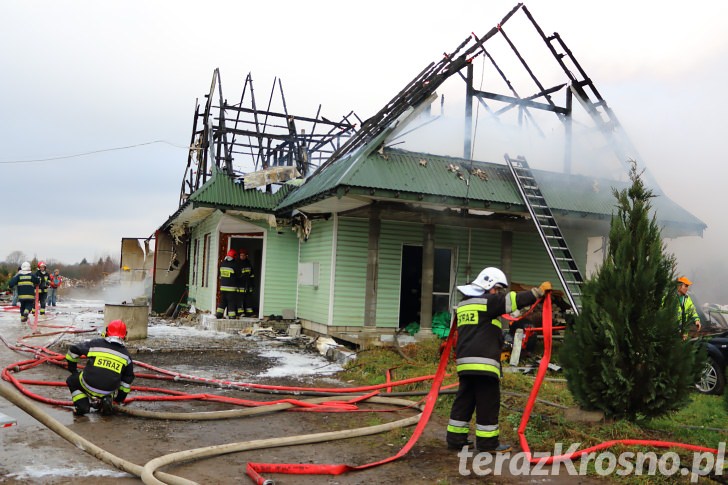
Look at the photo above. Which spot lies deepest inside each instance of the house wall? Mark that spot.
(279, 267)
(472, 250)
(313, 301)
(205, 296)
(340, 245)
(351, 272)
(394, 235)
(280, 270)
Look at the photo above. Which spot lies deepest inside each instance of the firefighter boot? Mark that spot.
(106, 406)
(81, 406)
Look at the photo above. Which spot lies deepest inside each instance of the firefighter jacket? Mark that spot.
(26, 283)
(44, 278)
(109, 367)
(686, 312)
(479, 333)
(247, 283)
(229, 274)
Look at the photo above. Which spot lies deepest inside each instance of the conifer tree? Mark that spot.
(624, 354)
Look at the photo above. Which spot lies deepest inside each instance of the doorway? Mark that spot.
(253, 244)
(410, 298)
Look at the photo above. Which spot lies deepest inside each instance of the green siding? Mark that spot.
(531, 263)
(313, 302)
(393, 236)
(351, 270)
(205, 297)
(281, 268)
(484, 250)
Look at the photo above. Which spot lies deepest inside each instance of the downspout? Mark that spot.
(332, 272)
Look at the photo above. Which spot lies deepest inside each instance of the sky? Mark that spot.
(112, 86)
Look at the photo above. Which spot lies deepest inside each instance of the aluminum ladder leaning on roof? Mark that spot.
(554, 242)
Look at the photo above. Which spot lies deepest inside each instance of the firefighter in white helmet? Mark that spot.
(479, 343)
(25, 281)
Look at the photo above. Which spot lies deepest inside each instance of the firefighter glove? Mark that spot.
(542, 289)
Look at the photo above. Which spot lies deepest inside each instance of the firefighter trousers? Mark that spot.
(481, 394)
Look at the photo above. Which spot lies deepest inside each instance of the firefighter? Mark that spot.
(478, 350)
(229, 280)
(686, 308)
(44, 277)
(108, 373)
(246, 286)
(25, 282)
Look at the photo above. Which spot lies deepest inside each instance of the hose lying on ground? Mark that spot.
(149, 474)
(77, 440)
(150, 469)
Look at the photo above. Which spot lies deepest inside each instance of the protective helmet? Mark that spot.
(243, 251)
(684, 281)
(25, 266)
(232, 254)
(116, 328)
(41, 264)
(490, 277)
(487, 279)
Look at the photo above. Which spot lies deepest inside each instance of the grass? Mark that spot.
(703, 421)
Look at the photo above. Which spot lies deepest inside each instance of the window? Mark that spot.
(441, 281)
(195, 267)
(206, 261)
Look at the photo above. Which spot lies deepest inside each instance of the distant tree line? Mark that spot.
(90, 272)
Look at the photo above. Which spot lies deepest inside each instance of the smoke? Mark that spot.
(115, 289)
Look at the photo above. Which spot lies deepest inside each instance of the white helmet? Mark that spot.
(25, 266)
(487, 279)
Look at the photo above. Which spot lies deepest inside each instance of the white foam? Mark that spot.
(30, 472)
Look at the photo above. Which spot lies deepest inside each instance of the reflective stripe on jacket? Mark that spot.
(108, 366)
(480, 336)
(229, 275)
(26, 283)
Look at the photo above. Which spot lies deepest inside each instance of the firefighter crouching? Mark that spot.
(108, 374)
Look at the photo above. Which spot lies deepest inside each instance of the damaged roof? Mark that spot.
(399, 174)
(223, 192)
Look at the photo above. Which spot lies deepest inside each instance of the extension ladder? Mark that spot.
(551, 236)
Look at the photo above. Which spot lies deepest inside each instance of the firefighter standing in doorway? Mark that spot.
(108, 374)
(246, 287)
(229, 280)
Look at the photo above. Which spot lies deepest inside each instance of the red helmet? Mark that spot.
(116, 328)
(232, 254)
(41, 263)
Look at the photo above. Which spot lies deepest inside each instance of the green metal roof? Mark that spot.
(223, 192)
(463, 183)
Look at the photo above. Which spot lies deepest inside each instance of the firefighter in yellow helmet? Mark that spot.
(687, 314)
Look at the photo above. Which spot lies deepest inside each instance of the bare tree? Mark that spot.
(16, 257)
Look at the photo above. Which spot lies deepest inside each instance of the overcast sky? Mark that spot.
(89, 76)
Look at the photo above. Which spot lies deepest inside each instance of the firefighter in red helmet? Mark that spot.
(229, 278)
(246, 285)
(108, 374)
